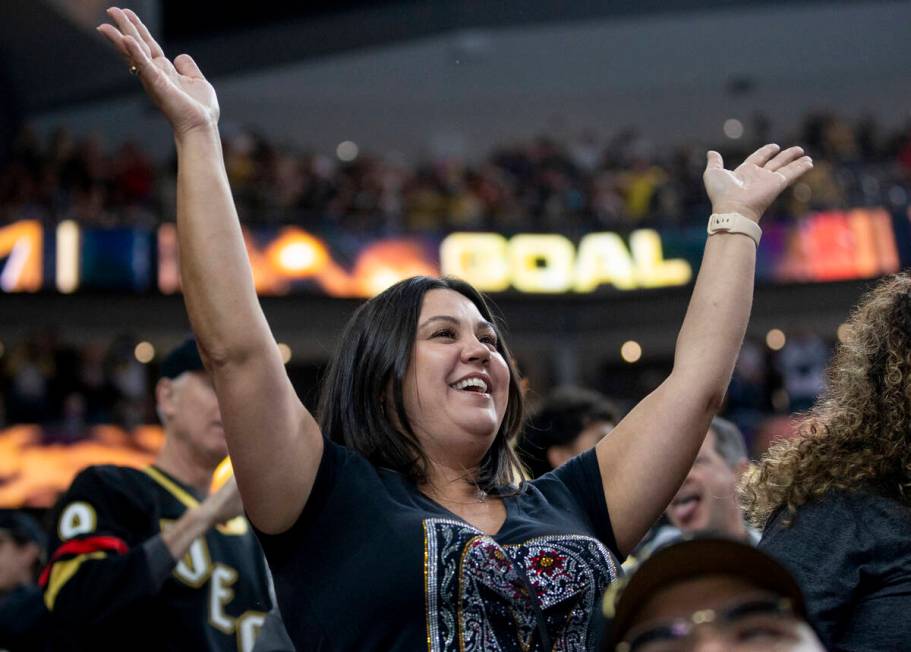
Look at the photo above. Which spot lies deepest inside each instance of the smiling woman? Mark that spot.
(426, 320)
(404, 499)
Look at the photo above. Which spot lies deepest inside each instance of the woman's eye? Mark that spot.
(446, 332)
(490, 340)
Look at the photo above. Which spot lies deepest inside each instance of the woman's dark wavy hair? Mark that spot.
(373, 357)
(857, 434)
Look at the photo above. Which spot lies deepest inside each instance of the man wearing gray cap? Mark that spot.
(146, 559)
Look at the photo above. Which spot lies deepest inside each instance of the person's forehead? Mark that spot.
(449, 303)
(706, 592)
(192, 379)
(710, 444)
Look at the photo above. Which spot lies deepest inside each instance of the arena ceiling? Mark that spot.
(50, 56)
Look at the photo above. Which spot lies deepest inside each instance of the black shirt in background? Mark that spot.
(851, 554)
(373, 564)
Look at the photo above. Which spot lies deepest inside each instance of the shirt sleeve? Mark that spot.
(822, 548)
(580, 478)
(280, 547)
(107, 551)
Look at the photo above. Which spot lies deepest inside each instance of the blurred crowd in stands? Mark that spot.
(67, 388)
(592, 182)
(70, 387)
(616, 182)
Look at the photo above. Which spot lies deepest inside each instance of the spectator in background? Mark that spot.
(538, 184)
(30, 368)
(748, 400)
(569, 421)
(129, 382)
(708, 593)
(834, 501)
(640, 184)
(707, 500)
(23, 617)
(802, 364)
(147, 559)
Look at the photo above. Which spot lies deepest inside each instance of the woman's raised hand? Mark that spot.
(179, 88)
(754, 185)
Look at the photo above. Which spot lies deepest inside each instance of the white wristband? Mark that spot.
(734, 223)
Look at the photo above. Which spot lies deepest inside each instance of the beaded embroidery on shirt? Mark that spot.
(483, 597)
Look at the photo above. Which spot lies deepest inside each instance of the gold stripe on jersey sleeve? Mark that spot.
(61, 574)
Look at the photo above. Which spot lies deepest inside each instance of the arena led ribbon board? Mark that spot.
(821, 247)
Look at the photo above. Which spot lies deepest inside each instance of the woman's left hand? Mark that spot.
(756, 183)
(179, 88)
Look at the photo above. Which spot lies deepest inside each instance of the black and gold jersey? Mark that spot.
(111, 584)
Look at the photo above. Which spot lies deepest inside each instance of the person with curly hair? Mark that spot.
(835, 500)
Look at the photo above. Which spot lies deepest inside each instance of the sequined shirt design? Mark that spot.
(482, 596)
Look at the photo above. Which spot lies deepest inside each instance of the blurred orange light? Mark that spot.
(298, 254)
(144, 352)
(37, 469)
(388, 262)
(22, 244)
(775, 339)
(631, 351)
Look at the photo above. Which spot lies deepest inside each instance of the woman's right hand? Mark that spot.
(750, 188)
(179, 89)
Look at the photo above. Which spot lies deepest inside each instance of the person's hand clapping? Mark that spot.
(756, 183)
(179, 89)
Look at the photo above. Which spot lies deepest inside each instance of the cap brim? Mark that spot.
(701, 557)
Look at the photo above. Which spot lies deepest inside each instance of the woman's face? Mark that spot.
(457, 387)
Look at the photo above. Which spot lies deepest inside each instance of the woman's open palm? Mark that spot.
(179, 89)
(756, 183)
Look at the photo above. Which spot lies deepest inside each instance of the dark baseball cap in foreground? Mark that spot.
(690, 559)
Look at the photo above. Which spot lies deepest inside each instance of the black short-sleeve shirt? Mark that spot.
(850, 551)
(373, 564)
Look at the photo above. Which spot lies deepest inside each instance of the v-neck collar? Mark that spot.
(507, 505)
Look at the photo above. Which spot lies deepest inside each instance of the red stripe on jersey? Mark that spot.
(82, 547)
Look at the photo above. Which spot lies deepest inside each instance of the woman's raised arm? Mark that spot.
(275, 444)
(646, 457)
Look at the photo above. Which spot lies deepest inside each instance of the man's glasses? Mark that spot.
(753, 624)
